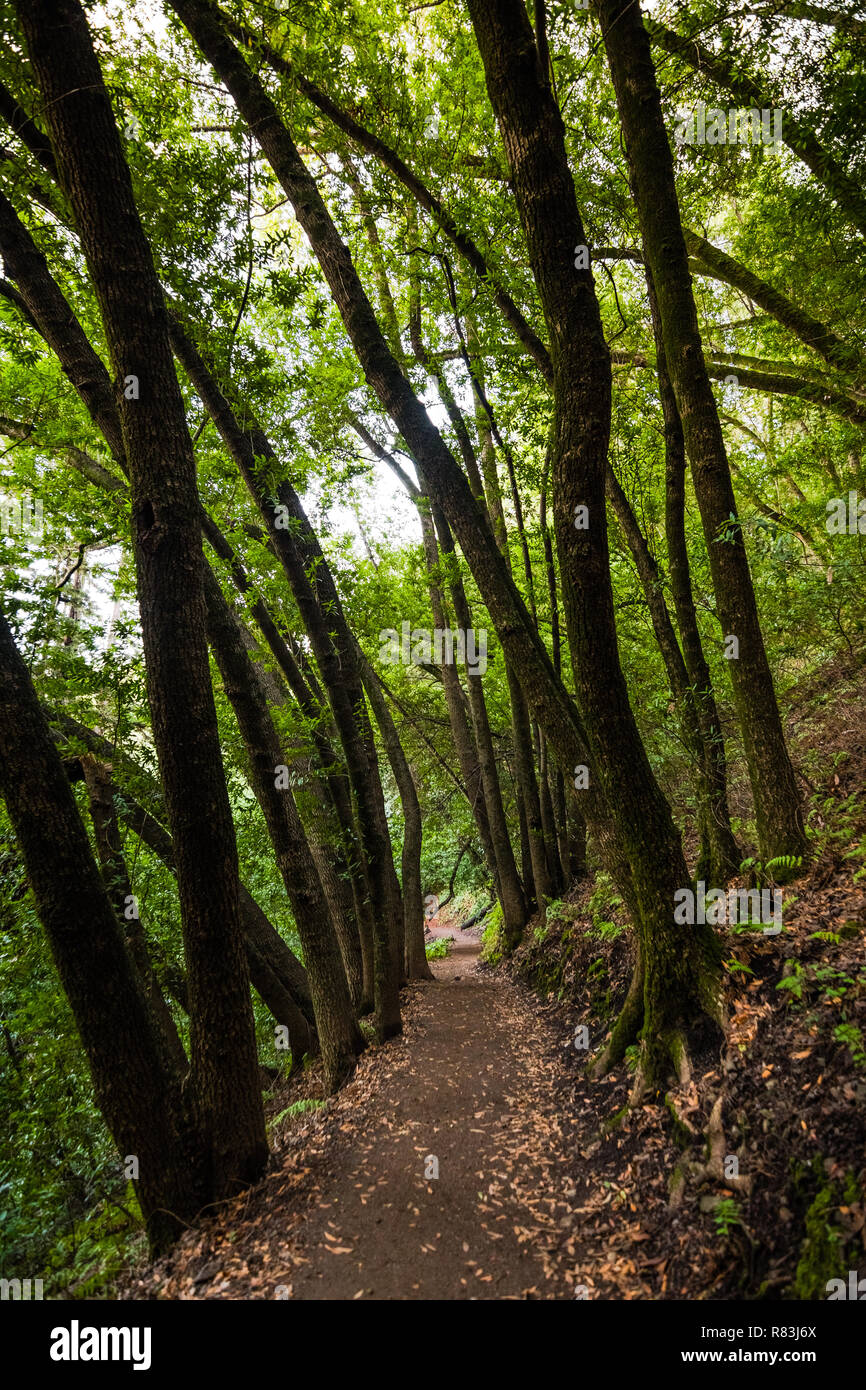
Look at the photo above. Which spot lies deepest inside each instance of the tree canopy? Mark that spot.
(432, 466)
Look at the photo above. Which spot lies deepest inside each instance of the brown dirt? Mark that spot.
(350, 1214)
(539, 1195)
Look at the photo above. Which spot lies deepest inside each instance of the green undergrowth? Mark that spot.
(492, 943)
(95, 1251)
(827, 1251)
(568, 952)
(298, 1107)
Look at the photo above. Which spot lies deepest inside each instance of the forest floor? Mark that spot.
(352, 1211)
(547, 1186)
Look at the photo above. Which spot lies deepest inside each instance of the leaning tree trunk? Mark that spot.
(719, 858)
(115, 876)
(509, 887)
(717, 854)
(548, 816)
(301, 557)
(573, 861)
(527, 781)
(777, 803)
(415, 955)
(339, 1035)
(135, 1081)
(322, 830)
(349, 857)
(166, 535)
(544, 878)
(461, 733)
(681, 978)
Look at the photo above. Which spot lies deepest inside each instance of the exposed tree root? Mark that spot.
(647, 1018)
(713, 1168)
(626, 1029)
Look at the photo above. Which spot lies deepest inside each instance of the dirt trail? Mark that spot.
(464, 1086)
(539, 1194)
(477, 1081)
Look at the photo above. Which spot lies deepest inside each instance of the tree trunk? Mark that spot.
(339, 1036)
(524, 763)
(719, 858)
(548, 818)
(777, 803)
(525, 851)
(461, 733)
(115, 876)
(509, 887)
(573, 860)
(320, 726)
(167, 544)
(681, 974)
(135, 1082)
(324, 831)
(415, 955)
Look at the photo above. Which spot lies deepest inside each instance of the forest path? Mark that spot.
(485, 1080)
(470, 1083)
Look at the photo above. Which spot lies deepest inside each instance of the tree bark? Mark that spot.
(167, 545)
(777, 804)
(414, 952)
(135, 1082)
(115, 876)
(339, 1036)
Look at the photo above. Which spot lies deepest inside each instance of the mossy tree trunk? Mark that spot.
(166, 537)
(777, 803)
(680, 966)
(136, 1082)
